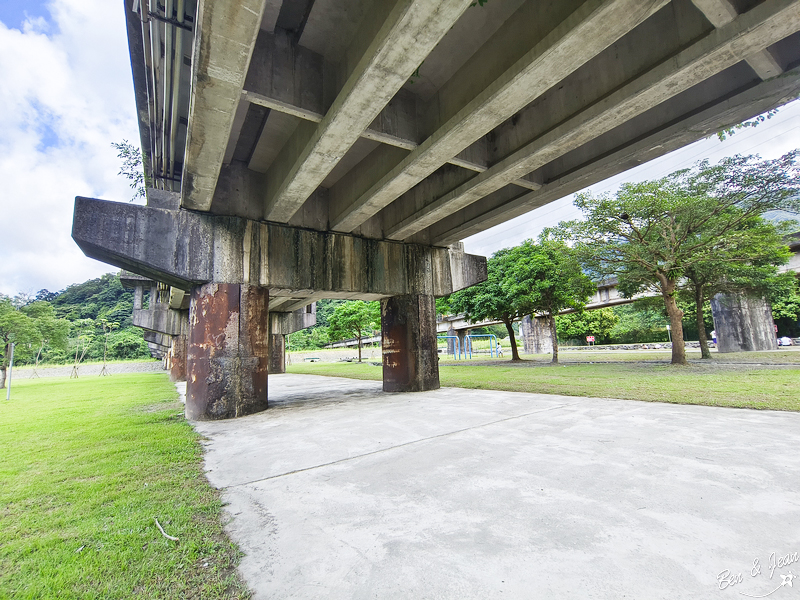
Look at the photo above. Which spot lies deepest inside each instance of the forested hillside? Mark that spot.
(85, 318)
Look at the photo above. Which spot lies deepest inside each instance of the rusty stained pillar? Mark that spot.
(227, 362)
(408, 332)
(177, 354)
(277, 353)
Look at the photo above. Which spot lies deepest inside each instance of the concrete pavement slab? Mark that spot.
(342, 491)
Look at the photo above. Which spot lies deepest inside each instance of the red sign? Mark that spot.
(589, 338)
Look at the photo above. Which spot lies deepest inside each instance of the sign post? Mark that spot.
(590, 340)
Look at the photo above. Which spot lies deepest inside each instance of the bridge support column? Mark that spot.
(177, 371)
(228, 355)
(535, 334)
(451, 344)
(462, 340)
(743, 323)
(277, 353)
(408, 333)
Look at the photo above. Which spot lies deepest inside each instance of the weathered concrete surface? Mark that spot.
(277, 353)
(409, 33)
(535, 334)
(743, 323)
(227, 362)
(173, 247)
(342, 491)
(177, 358)
(408, 344)
(224, 41)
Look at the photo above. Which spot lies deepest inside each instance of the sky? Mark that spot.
(66, 95)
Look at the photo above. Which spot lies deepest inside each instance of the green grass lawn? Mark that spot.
(86, 465)
(714, 384)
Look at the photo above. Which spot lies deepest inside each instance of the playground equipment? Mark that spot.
(467, 348)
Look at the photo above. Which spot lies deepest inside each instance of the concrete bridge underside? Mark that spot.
(303, 149)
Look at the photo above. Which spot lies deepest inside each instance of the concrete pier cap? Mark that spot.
(244, 293)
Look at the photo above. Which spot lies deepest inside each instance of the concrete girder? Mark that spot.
(722, 12)
(290, 79)
(173, 247)
(160, 318)
(225, 36)
(284, 323)
(411, 30)
(584, 34)
(671, 136)
(764, 25)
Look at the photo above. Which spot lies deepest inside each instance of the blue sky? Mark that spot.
(65, 96)
(13, 13)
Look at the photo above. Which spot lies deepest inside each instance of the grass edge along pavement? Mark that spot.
(87, 466)
(715, 384)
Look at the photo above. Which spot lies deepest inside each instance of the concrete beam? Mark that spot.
(284, 323)
(173, 247)
(160, 318)
(722, 48)
(225, 35)
(722, 12)
(290, 79)
(673, 135)
(411, 31)
(584, 34)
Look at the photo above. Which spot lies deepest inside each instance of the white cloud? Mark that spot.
(65, 96)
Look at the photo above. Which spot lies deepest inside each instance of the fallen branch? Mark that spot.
(164, 533)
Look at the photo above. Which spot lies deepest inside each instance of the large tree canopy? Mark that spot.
(532, 278)
(354, 319)
(489, 300)
(577, 325)
(545, 278)
(651, 234)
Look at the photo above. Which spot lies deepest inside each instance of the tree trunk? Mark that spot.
(359, 346)
(3, 377)
(701, 326)
(512, 340)
(675, 320)
(551, 320)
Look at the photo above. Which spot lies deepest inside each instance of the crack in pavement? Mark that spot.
(381, 450)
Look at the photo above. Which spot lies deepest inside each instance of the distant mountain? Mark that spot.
(778, 216)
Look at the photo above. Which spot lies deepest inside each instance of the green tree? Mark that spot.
(127, 343)
(84, 335)
(783, 292)
(488, 300)
(650, 234)
(132, 167)
(353, 319)
(599, 323)
(49, 330)
(545, 278)
(753, 252)
(642, 321)
(15, 328)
